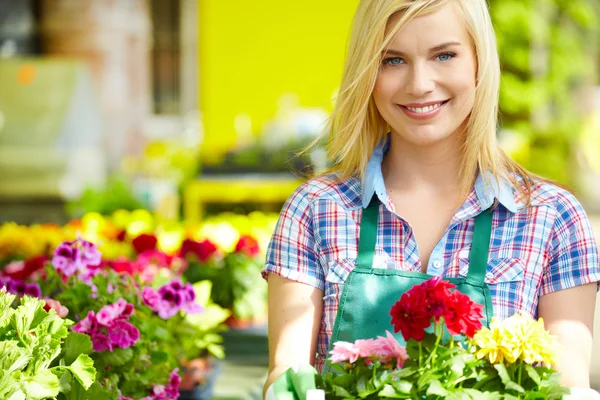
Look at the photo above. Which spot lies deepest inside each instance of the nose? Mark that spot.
(420, 80)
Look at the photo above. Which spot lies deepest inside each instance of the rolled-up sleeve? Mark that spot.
(291, 253)
(574, 259)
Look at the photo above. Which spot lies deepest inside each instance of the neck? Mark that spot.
(410, 168)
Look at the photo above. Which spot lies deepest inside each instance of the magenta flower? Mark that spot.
(20, 288)
(123, 334)
(168, 392)
(171, 298)
(119, 311)
(386, 349)
(110, 328)
(76, 257)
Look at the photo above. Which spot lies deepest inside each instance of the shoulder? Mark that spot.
(564, 205)
(346, 193)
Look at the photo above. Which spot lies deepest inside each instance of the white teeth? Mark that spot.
(424, 110)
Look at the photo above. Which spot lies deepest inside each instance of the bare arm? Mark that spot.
(295, 311)
(569, 314)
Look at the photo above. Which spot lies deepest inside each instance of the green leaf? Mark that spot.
(64, 382)
(515, 386)
(42, 385)
(13, 357)
(158, 357)
(532, 373)
(76, 344)
(404, 387)
(117, 357)
(389, 392)
(83, 370)
(6, 311)
(435, 388)
(503, 373)
(26, 313)
(8, 385)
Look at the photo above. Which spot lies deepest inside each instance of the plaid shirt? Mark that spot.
(533, 251)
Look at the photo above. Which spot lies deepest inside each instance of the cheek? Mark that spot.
(384, 91)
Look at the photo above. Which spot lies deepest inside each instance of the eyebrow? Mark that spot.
(432, 50)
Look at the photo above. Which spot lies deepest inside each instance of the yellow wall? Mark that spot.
(251, 52)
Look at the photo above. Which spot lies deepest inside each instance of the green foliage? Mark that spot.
(33, 345)
(116, 195)
(546, 53)
(237, 282)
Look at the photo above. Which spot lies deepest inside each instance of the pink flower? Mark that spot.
(110, 327)
(55, 305)
(388, 347)
(344, 351)
(119, 311)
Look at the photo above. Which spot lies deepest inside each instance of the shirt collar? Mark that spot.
(373, 184)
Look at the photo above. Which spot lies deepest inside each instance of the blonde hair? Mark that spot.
(356, 127)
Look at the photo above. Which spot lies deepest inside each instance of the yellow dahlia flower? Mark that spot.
(519, 337)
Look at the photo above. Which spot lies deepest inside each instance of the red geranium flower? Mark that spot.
(436, 294)
(463, 316)
(144, 242)
(24, 270)
(201, 250)
(248, 245)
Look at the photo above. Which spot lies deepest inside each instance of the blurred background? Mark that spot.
(181, 119)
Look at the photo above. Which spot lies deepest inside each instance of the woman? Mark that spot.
(414, 149)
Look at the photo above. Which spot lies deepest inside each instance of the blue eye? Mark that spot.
(393, 61)
(447, 56)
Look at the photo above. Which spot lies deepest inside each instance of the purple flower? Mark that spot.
(168, 392)
(33, 290)
(75, 257)
(123, 334)
(20, 288)
(171, 298)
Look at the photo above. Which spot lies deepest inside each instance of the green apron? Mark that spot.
(369, 293)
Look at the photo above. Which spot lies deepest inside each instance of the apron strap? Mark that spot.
(480, 247)
(368, 234)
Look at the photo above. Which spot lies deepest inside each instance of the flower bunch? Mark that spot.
(458, 358)
(385, 350)
(171, 298)
(20, 288)
(518, 338)
(110, 327)
(76, 257)
(433, 301)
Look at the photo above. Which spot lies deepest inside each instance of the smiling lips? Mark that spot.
(423, 111)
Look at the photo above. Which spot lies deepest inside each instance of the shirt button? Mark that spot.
(489, 275)
(437, 264)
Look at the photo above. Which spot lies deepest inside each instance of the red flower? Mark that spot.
(201, 250)
(463, 316)
(123, 265)
(144, 242)
(22, 271)
(247, 244)
(410, 316)
(436, 292)
(121, 236)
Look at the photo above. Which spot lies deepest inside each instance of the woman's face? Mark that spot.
(425, 88)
